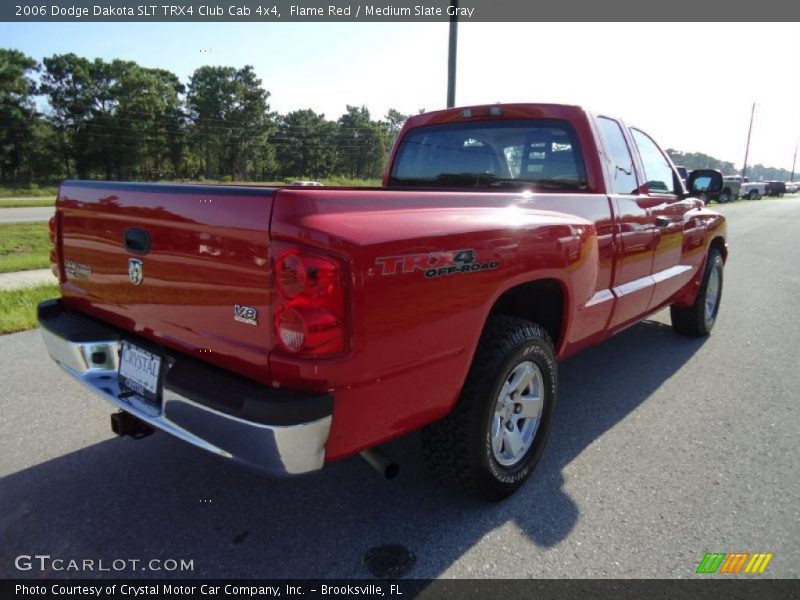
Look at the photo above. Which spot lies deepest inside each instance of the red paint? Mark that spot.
(407, 338)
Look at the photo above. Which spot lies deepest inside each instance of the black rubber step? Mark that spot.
(73, 326)
(244, 398)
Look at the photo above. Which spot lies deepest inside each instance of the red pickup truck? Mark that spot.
(287, 327)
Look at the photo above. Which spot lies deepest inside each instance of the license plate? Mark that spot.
(139, 371)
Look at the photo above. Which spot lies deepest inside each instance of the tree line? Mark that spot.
(698, 160)
(69, 116)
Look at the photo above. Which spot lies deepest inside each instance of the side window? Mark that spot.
(659, 175)
(624, 176)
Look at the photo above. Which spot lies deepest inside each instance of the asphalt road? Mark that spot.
(663, 448)
(23, 214)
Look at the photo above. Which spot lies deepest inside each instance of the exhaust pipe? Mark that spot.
(379, 461)
(123, 423)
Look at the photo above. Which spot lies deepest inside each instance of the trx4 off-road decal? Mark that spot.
(435, 264)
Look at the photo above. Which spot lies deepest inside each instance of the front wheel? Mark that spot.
(699, 318)
(724, 196)
(753, 195)
(491, 441)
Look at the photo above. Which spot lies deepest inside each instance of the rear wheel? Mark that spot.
(753, 195)
(491, 441)
(724, 196)
(699, 318)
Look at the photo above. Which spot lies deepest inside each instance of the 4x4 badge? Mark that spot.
(435, 264)
(135, 270)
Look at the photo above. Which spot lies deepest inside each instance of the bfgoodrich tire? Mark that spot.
(491, 441)
(699, 318)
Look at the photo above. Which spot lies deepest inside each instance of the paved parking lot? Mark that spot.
(24, 214)
(663, 448)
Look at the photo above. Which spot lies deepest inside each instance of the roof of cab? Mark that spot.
(497, 111)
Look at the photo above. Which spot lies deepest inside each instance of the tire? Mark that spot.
(698, 319)
(485, 447)
(724, 196)
(753, 195)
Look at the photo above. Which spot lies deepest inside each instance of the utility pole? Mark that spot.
(747, 149)
(451, 56)
(794, 160)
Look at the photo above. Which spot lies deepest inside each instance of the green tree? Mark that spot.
(361, 144)
(68, 81)
(230, 121)
(759, 172)
(17, 112)
(108, 145)
(304, 145)
(698, 160)
(43, 157)
(147, 120)
(115, 119)
(394, 123)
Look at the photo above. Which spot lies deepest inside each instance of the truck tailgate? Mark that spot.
(171, 263)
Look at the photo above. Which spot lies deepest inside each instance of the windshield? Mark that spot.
(541, 154)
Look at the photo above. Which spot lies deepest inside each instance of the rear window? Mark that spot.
(531, 154)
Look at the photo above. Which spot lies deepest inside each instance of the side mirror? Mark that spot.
(704, 181)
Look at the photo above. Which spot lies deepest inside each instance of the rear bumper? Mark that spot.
(281, 432)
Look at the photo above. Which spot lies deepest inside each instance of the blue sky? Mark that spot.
(303, 65)
(673, 80)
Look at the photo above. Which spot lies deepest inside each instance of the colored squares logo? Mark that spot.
(734, 562)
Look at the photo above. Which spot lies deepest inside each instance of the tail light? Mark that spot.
(310, 305)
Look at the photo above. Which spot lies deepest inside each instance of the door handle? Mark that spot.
(663, 222)
(137, 240)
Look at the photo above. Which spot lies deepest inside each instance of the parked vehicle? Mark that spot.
(752, 190)
(284, 328)
(792, 187)
(728, 193)
(776, 188)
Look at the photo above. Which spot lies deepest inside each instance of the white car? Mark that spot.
(751, 190)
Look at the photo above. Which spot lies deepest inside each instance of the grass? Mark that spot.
(28, 190)
(341, 181)
(337, 181)
(24, 202)
(18, 307)
(24, 246)
(20, 192)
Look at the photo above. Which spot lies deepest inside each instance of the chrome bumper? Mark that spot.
(281, 450)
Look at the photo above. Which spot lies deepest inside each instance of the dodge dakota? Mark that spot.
(287, 327)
